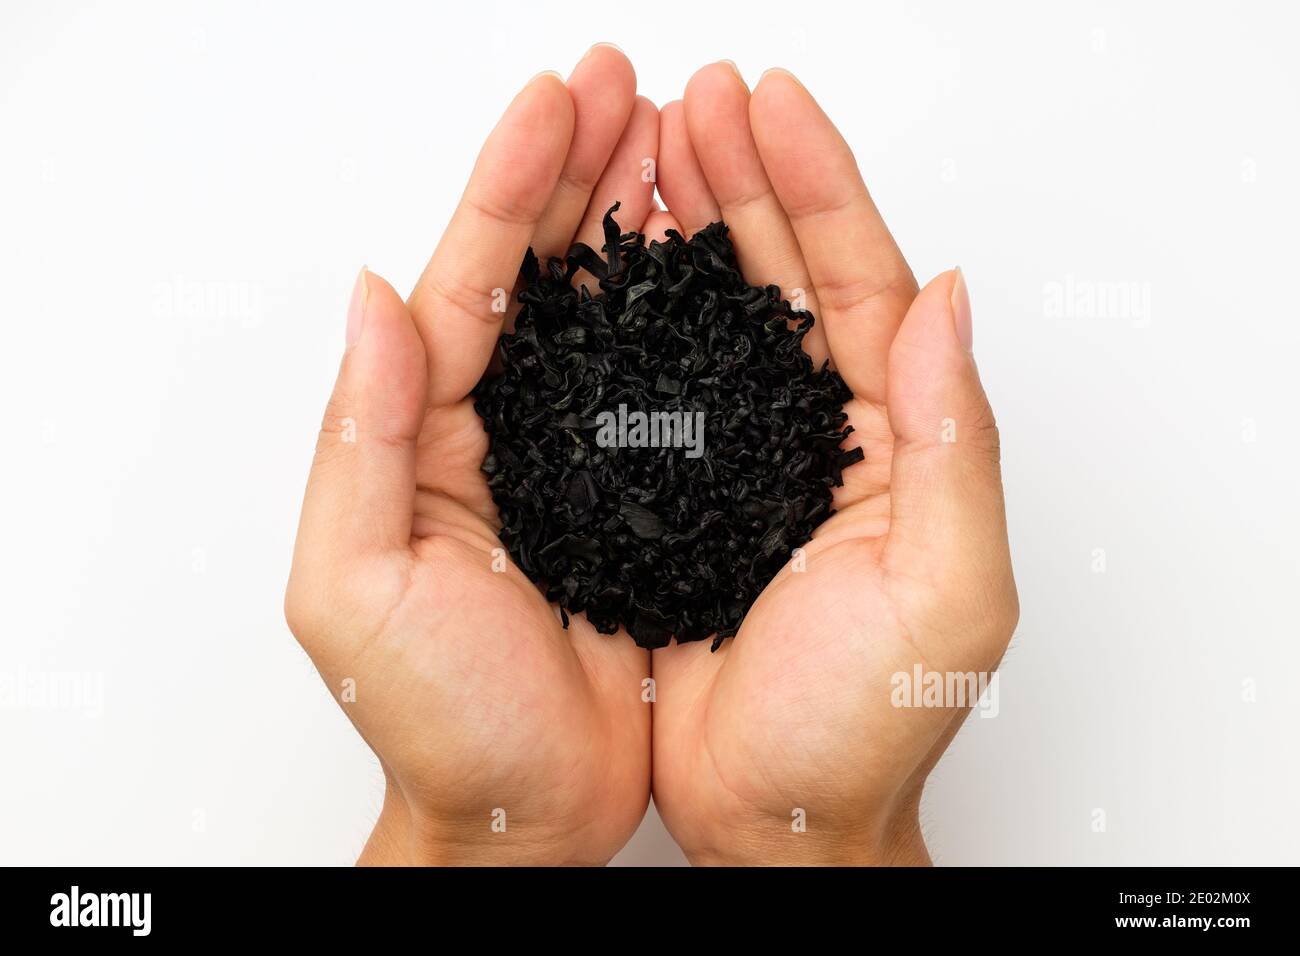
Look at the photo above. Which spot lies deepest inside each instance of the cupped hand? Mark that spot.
(503, 737)
(787, 745)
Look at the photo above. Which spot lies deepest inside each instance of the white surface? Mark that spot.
(186, 194)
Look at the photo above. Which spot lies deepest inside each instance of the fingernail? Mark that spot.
(542, 74)
(357, 308)
(734, 69)
(961, 311)
(596, 46)
(592, 49)
(782, 71)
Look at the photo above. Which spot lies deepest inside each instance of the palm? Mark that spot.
(802, 695)
(504, 696)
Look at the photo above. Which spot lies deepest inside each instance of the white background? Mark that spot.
(187, 192)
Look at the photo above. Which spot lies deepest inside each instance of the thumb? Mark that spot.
(361, 491)
(947, 513)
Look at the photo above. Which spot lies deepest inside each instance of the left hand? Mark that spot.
(795, 713)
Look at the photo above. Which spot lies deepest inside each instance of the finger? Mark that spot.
(946, 508)
(603, 87)
(628, 178)
(717, 120)
(680, 179)
(658, 223)
(458, 303)
(361, 488)
(862, 281)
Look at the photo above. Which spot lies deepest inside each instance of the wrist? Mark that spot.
(404, 836)
(897, 842)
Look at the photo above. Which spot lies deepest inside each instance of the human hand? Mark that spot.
(914, 568)
(447, 659)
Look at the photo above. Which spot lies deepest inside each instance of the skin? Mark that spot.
(398, 576)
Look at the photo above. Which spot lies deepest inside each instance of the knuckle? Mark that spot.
(338, 413)
(338, 428)
(819, 202)
(985, 437)
(852, 294)
(454, 294)
(577, 181)
(505, 211)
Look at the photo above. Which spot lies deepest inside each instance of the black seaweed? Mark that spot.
(648, 538)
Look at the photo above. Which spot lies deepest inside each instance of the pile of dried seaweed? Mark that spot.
(653, 525)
